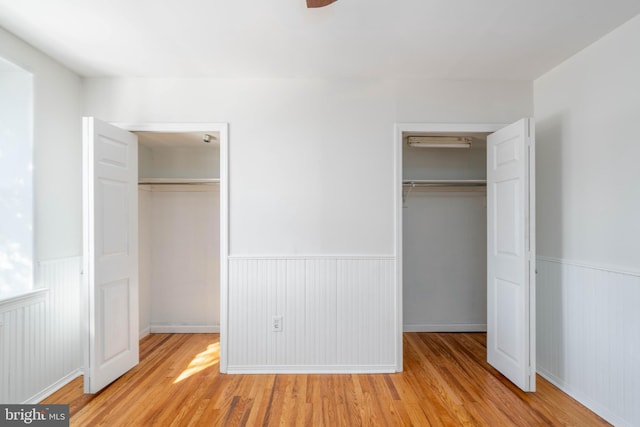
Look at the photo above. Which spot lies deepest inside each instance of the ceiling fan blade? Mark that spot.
(319, 3)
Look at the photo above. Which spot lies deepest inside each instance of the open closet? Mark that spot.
(465, 227)
(444, 231)
(179, 232)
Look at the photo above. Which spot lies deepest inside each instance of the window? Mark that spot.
(16, 180)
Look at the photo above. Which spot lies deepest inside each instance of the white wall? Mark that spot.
(587, 111)
(302, 148)
(445, 261)
(53, 314)
(462, 101)
(421, 163)
(311, 185)
(287, 134)
(176, 162)
(144, 259)
(185, 258)
(588, 197)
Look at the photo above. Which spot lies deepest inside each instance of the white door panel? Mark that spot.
(510, 240)
(110, 251)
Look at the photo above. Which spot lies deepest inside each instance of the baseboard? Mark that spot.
(445, 327)
(311, 369)
(320, 257)
(53, 388)
(169, 328)
(588, 403)
(143, 333)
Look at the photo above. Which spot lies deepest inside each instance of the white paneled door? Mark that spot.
(110, 162)
(511, 253)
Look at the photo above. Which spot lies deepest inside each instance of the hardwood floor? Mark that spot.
(446, 382)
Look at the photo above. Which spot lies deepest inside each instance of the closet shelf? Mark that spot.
(444, 183)
(178, 181)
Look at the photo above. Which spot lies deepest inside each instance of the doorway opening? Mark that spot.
(444, 231)
(403, 192)
(178, 232)
(447, 263)
(193, 159)
(198, 132)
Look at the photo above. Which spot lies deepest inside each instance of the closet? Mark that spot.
(444, 232)
(179, 232)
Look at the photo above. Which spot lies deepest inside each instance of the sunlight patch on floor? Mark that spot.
(204, 360)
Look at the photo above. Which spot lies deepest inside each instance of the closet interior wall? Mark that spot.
(444, 239)
(179, 233)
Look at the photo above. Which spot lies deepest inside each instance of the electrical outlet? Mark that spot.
(276, 324)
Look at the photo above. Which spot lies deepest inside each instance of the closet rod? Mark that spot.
(410, 184)
(444, 183)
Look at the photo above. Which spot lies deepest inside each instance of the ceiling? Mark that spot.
(454, 39)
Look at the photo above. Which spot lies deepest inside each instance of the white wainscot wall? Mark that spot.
(40, 341)
(588, 336)
(338, 314)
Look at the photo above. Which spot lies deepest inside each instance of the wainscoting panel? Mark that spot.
(40, 341)
(588, 336)
(338, 315)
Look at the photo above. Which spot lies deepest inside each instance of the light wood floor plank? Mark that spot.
(446, 382)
